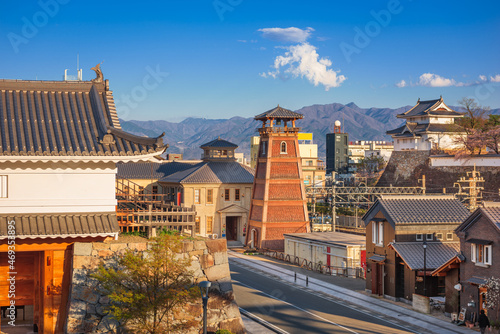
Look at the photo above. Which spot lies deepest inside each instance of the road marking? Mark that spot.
(299, 308)
(337, 301)
(267, 323)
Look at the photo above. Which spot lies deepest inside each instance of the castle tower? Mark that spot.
(278, 200)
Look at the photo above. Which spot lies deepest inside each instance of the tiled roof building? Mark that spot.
(397, 228)
(480, 243)
(59, 145)
(429, 124)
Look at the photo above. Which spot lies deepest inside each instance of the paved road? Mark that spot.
(297, 311)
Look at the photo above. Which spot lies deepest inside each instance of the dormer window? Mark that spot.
(283, 147)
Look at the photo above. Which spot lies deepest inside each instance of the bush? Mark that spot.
(223, 331)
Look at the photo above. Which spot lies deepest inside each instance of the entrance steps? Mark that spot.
(234, 244)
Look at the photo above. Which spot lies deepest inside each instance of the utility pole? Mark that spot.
(471, 182)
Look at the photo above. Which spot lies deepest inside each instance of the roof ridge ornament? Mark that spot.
(99, 76)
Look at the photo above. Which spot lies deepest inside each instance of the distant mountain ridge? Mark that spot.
(187, 136)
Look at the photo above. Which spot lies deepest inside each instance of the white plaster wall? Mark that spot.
(480, 161)
(60, 187)
(402, 145)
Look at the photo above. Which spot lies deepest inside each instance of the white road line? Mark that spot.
(350, 307)
(245, 312)
(299, 308)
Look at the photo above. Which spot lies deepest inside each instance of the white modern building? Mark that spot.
(429, 125)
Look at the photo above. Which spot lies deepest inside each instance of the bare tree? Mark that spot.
(474, 117)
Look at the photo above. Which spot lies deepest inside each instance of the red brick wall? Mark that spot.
(284, 170)
(285, 214)
(290, 148)
(256, 213)
(285, 191)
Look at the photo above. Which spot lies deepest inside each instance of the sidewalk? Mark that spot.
(346, 289)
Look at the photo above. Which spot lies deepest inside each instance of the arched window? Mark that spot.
(283, 147)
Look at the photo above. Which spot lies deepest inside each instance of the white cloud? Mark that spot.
(434, 80)
(302, 60)
(401, 84)
(483, 78)
(291, 34)
(496, 78)
(242, 40)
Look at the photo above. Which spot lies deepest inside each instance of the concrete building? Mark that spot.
(429, 125)
(337, 155)
(278, 199)
(344, 252)
(313, 168)
(361, 149)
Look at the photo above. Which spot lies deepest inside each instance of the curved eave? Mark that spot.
(87, 158)
(64, 236)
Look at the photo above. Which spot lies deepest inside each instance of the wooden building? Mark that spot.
(480, 243)
(216, 189)
(59, 145)
(278, 199)
(396, 228)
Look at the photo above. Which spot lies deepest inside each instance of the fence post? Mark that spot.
(307, 280)
(295, 277)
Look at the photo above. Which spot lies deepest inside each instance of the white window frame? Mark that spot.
(449, 236)
(3, 186)
(487, 254)
(439, 236)
(378, 233)
(197, 196)
(419, 237)
(281, 147)
(427, 236)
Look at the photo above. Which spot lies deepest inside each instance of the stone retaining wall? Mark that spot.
(209, 262)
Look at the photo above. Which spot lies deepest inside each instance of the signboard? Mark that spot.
(461, 316)
(305, 136)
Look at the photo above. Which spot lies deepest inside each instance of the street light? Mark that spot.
(204, 287)
(425, 266)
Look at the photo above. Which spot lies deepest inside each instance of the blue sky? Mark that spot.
(216, 59)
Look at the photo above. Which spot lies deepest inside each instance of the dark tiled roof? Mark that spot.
(493, 214)
(412, 254)
(279, 112)
(61, 118)
(418, 129)
(151, 170)
(213, 172)
(490, 210)
(60, 225)
(429, 107)
(437, 209)
(219, 143)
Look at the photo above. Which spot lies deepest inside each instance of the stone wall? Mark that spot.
(209, 262)
(421, 303)
(405, 168)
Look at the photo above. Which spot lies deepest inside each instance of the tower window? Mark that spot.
(283, 147)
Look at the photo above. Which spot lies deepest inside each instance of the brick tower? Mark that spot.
(278, 200)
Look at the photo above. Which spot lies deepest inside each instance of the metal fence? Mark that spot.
(347, 271)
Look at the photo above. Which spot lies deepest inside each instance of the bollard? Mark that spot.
(307, 280)
(295, 277)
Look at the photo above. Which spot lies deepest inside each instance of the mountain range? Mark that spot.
(187, 136)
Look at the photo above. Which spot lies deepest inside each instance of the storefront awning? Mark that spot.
(476, 280)
(377, 258)
(479, 241)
